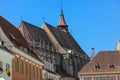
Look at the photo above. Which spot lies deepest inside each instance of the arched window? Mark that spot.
(33, 72)
(26, 68)
(16, 65)
(37, 75)
(21, 66)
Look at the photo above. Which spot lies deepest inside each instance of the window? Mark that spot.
(104, 78)
(97, 78)
(37, 74)
(87, 78)
(21, 67)
(1, 64)
(26, 66)
(33, 72)
(1, 69)
(7, 65)
(16, 66)
(112, 78)
(30, 70)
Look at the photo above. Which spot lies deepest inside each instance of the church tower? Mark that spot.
(62, 24)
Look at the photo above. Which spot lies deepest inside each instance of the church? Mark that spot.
(42, 53)
(55, 47)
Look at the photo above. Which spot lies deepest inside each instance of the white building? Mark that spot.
(5, 64)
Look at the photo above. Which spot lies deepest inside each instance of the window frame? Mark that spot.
(111, 77)
(87, 77)
(104, 77)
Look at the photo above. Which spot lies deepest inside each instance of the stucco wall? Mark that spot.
(6, 57)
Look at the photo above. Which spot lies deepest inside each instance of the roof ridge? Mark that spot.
(30, 24)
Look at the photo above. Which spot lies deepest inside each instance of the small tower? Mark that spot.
(62, 24)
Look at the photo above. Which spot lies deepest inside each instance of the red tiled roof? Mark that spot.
(105, 61)
(14, 35)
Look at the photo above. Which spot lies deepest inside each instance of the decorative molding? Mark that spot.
(26, 60)
(17, 55)
(33, 63)
(30, 62)
(22, 58)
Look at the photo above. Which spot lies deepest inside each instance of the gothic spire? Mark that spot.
(62, 24)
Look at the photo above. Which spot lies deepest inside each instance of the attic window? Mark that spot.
(97, 66)
(111, 66)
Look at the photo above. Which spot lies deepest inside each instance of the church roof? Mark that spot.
(34, 32)
(65, 39)
(104, 61)
(14, 35)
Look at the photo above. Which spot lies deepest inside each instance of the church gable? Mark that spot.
(48, 29)
(63, 40)
(34, 34)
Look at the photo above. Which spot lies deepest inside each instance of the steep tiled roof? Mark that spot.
(65, 39)
(14, 35)
(105, 61)
(35, 33)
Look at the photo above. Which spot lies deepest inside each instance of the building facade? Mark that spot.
(25, 65)
(5, 63)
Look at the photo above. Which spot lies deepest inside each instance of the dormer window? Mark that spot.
(97, 66)
(111, 66)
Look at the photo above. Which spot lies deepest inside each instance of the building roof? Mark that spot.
(14, 35)
(65, 40)
(34, 32)
(104, 61)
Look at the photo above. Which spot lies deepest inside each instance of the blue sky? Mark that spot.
(93, 23)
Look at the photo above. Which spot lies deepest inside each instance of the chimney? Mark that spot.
(92, 54)
(118, 46)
